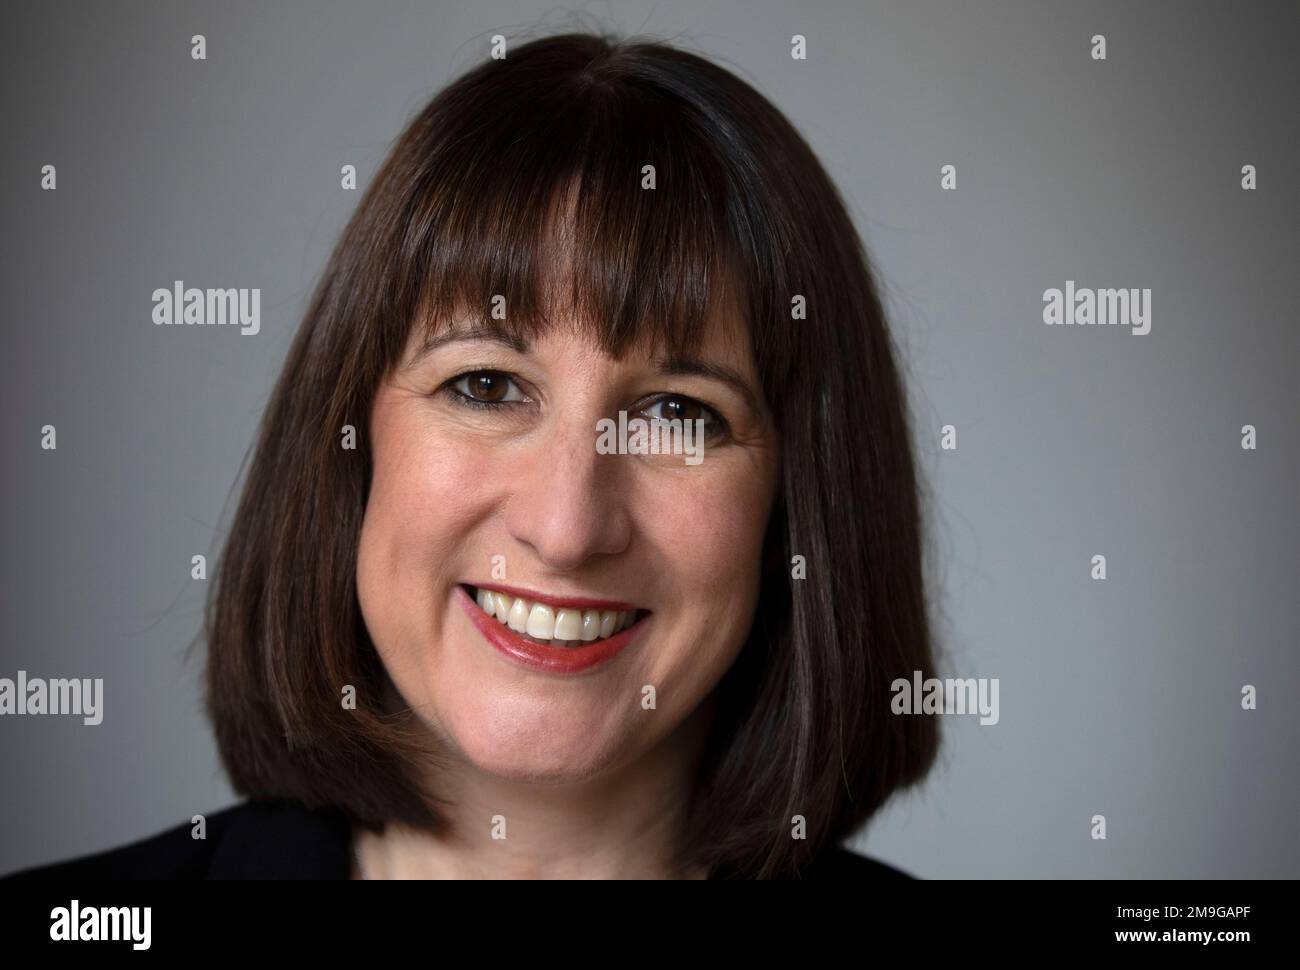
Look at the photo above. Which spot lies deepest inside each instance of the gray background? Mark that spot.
(1119, 698)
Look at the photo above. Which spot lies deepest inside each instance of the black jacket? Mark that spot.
(284, 840)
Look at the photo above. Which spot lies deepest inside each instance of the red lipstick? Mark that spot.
(542, 656)
(518, 592)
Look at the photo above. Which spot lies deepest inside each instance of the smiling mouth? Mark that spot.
(554, 625)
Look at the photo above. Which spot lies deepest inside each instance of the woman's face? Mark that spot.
(495, 481)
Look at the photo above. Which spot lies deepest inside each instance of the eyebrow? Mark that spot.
(682, 366)
(668, 366)
(455, 334)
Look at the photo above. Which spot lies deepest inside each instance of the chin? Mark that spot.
(532, 741)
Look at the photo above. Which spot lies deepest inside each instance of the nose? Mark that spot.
(569, 503)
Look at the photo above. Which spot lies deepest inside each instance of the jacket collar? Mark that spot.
(282, 840)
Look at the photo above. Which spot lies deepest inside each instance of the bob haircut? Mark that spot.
(460, 211)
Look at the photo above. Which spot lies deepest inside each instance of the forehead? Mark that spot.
(722, 335)
(621, 272)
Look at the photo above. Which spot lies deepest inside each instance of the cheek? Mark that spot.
(710, 539)
(426, 492)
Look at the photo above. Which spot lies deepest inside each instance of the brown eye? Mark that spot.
(674, 407)
(487, 386)
(683, 409)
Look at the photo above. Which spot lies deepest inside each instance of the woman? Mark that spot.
(462, 629)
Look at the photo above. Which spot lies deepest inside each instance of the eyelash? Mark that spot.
(716, 420)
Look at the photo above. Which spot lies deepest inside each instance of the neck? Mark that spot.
(623, 823)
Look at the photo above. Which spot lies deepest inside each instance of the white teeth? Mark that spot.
(543, 622)
(519, 616)
(568, 625)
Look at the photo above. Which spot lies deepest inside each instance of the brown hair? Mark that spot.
(460, 211)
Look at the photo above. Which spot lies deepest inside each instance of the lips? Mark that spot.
(559, 634)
